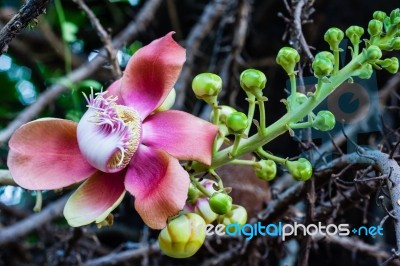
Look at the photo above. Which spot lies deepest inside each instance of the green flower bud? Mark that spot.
(183, 236)
(322, 67)
(288, 58)
(193, 193)
(395, 43)
(224, 112)
(297, 100)
(326, 55)
(253, 81)
(301, 170)
(354, 34)
(207, 86)
(364, 72)
(238, 214)
(202, 208)
(266, 170)
(390, 64)
(394, 15)
(324, 121)
(220, 203)
(334, 36)
(373, 54)
(379, 15)
(168, 102)
(375, 27)
(237, 122)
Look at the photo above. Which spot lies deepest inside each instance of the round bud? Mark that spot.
(354, 33)
(324, 121)
(224, 112)
(364, 72)
(238, 215)
(394, 15)
(237, 122)
(322, 67)
(288, 58)
(379, 15)
(390, 64)
(375, 27)
(334, 36)
(395, 43)
(373, 54)
(326, 55)
(202, 208)
(253, 81)
(207, 86)
(266, 170)
(301, 170)
(183, 236)
(220, 203)
(296, 100)
(193, 193)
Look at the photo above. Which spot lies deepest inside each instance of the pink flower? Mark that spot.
(119, 144)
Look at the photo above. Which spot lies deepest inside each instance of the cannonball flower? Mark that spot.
(120, 144)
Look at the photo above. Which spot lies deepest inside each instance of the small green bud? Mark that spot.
(301, 170)
(379, 15)
(202, 208)
(237, 122)
(322, 67)
(334, 36)
(207, 86)
(364, 72)
(324, 121)
(183, 236)
(266, 170)
(375, 27)
(193, 193)
(224, 112)
(297, 100)
(354, 34)
(373, 54)
(390, 64)
(395, 43)
(253, 81)
(326, 55)
(220, 203)
(238, 214)
(288, 58)
(394, 15)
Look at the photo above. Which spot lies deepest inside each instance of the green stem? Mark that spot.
(39, 201)
(261, 107)
(300, 125)
(216, 112)
(267, 155)
(280, 126)
(200, 187)
(218, 178)
(243, 162)
(236, 143)
(336, 56)
(250, 114)
(61, 20)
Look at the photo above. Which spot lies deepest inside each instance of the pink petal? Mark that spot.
(182, 135)
(159, 184)
(95, 199)
(44, 154)
(151, 73)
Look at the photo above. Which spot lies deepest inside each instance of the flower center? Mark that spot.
(108, 133)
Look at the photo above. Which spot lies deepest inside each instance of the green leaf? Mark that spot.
(69, 31)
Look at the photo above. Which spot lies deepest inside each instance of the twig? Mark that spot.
(213, 11)
(297, 28)
(104, 36)
(28, 12)
(115, 258)
(6, 178)
(33, 222)
(143, 19)
(355, 245)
